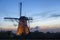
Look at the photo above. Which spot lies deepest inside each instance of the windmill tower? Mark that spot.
(22, 24)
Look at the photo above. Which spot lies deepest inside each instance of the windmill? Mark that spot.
(22, 23)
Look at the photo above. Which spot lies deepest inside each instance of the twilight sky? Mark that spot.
(45, 13)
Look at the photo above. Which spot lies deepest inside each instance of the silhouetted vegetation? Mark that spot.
(31, 35)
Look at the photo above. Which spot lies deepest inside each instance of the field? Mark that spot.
(31, 35)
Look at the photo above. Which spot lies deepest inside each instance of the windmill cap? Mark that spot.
(23, 18)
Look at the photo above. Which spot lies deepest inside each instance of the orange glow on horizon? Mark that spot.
(19, 30)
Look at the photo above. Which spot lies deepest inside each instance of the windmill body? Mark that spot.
(22, 24)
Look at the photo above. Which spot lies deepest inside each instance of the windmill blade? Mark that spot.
(10, 18)
(20, 9)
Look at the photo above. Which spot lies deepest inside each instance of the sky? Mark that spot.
(45, 13)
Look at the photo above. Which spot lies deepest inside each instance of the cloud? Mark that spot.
(44, 13)
(55, 15)
(51, 13)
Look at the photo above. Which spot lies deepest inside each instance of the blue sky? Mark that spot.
(44, 12)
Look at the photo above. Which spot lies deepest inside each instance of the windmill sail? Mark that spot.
(20, 9)
(10, 18)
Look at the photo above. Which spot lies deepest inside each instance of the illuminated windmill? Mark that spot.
(22, 24)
